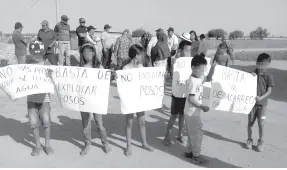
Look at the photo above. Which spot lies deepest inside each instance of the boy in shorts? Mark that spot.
(265, 84)
(39, 114)
(178, 100)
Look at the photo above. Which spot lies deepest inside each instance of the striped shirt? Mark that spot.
(123, 45)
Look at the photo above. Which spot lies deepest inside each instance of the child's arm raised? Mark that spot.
(208, 78)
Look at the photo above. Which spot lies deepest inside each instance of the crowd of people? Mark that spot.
(159, 51)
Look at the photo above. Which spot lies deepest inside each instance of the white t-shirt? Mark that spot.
(106, 37)
(151, 44)
(172, 41)
(181, 74)
(194, 87)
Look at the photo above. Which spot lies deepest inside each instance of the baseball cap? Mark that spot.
(159, 30)
(91, 28)
(170, 29)
(45, 22)
(107, 26)
(18, 25)
(64, 17)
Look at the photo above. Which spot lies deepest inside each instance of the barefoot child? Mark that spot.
(137, 56)
(89, 59)
(265, 84)
(178, 100)
(194, 107)
(39, 109)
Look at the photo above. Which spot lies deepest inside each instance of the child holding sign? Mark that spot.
(39, 108)
(89, 59)
(178, 99)
(136, 57)
(265, 84)
(194, 107)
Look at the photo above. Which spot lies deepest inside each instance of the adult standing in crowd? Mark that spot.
(48, 37)
(153, 41)
(203, 46)
(195, 43)
(90, 35)
(145, 40)
(81, 32)
(107, 47)
(160, 52)
(62, 30)
(122, 46)
(20, 43)
(172, 44)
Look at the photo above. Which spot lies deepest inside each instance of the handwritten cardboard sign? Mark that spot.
(82, 89)
(233, 90)
(181, 72)
(25, 79)
(140, 89)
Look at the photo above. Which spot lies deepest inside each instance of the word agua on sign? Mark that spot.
(86, 90)
(26, 87)
(233, 75)
(5, 72)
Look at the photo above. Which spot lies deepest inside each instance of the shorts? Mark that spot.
(177, 105)
(39, 114)
(258, 112)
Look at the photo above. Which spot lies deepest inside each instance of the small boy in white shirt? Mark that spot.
(194, 107)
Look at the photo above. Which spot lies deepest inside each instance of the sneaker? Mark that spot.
(249, 143)
(179, 140)
(197, 160)
(260, 147)
(167, 142)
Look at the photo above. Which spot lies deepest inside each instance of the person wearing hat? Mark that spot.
(20, 43)
(122, 46)
(81, 32)
(48, 37)
(62, 30)
(90, 36)
(153, 41)
(172, 42)
(107, 44)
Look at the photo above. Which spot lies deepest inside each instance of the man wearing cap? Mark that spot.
(62, 30)
(48, 37)
(153, 41)
(20, 43)
(172, 42)
(90, 36)
(122, 47)
(107, 47)
(81, 32)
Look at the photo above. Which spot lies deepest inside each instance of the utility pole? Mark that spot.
(57, 10)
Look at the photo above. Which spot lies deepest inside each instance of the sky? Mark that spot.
(182, 15)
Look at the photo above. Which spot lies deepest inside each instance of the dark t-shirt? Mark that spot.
(81, 29)
(264, 80)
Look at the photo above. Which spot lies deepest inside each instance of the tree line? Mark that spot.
(258, 33)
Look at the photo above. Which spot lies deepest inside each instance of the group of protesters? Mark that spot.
(158, 51)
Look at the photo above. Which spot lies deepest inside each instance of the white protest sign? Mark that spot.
(141, 89)
(82, 89)
(181, 72)
(26, 79)
(233, 90)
